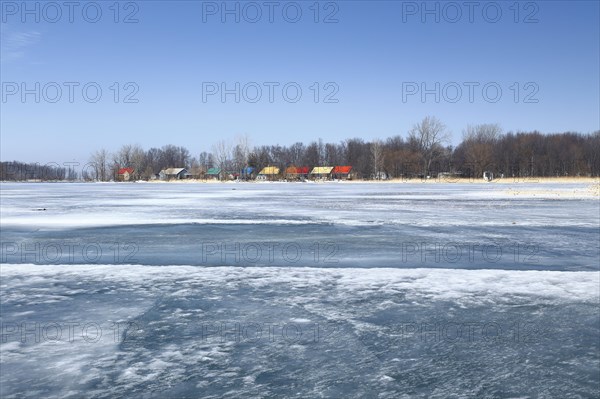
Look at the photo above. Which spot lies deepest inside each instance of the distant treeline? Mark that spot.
(20, 171)
(425, 151)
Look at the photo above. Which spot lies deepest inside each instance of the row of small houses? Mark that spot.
(304, 172)
(269, 173)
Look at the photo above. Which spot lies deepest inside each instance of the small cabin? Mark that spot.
(174, 174)
(341, 172)
(213, 173)
(297, 172)
(268, 173)
(321, 172)
(125, 174)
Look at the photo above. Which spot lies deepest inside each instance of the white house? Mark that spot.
(174, 174)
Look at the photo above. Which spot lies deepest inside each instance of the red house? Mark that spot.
(341, 172)
(125, 174)
(297, 172)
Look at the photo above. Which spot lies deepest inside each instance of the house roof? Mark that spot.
(321, 170)
(122, 171)
(342, 170)
(270, 170)
(213, 171)
(174, 171)
(297, 170)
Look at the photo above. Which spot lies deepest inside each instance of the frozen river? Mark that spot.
(300, 290)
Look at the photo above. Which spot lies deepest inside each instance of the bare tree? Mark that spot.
(206, 160)
(333, 154)
(123, 157)
(478, 142)
(487, 132)
(429, 136)
(222, 155)
(377, 154)
(138, 161)
(358, 155)
(241, 151)
(99, 160)
(296, 153)
(311, 155)
(322, 155)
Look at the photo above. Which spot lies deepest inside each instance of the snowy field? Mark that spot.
(300, 290)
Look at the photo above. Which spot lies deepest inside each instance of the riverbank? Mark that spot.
(444, 180)
(441, 180)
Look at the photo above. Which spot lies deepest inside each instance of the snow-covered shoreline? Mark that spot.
(433, 180)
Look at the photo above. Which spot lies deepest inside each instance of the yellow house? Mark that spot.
(321, 172)
(268, 172)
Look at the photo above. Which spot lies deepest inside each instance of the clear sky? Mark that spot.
(370, 59)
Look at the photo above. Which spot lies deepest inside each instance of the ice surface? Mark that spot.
(477, 226)
(362, 331)
(380, 308)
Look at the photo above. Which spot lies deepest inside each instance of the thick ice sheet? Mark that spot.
(299, 332)
(473, 226)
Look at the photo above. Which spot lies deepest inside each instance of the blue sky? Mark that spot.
(373, 54)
